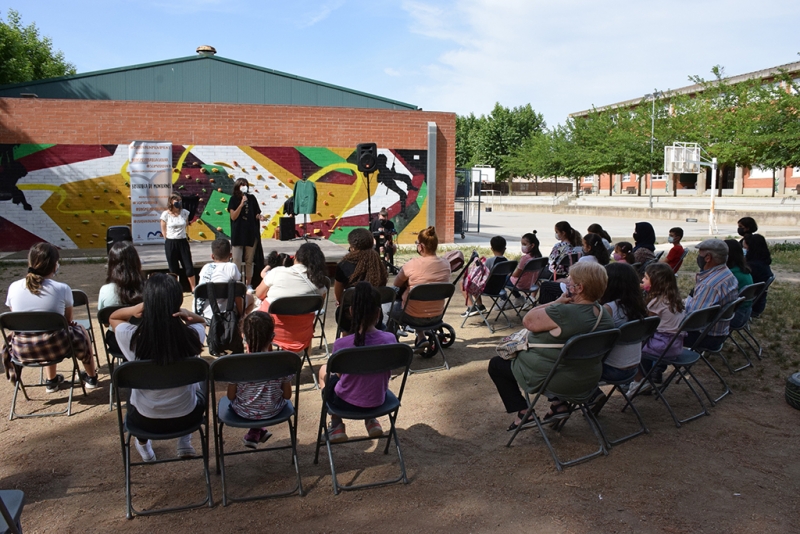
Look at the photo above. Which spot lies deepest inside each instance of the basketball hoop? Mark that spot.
(684, 158)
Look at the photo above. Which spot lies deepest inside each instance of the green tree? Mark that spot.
(25, 55)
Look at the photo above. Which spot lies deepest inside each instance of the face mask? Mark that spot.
(525, 249)
(244, 189)
(744, 251)
(741, 231)
(419, 249)
(177, 205)
(701, 262)
(671, 239)
(645, 286)
(634, 237)
(617, 256)
(565, 289)
(558, 238)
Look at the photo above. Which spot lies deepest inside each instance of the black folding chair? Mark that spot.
(79, 299)
(748, 330)
(11, 504)
(659, 256)
(39, 323)
(255, 367)
(115, 234)
(682, 365)
(740, 325)
(631, 333)
(536, 266)
(321, 318)
(110, 346)
(592, 346)
(150, 375)
(365, 361)
(427, 326)
(680, 262)
(220, 290)
(343, 318)
(302, 305)
(495, 290)
(725, 314)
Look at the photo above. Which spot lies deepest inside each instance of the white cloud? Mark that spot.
(391, 72)
(321, 13)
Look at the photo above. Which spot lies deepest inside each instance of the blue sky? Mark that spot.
(560, 56)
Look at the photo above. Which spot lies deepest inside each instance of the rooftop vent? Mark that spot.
(205, 50)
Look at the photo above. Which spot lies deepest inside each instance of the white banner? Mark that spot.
(150, 169)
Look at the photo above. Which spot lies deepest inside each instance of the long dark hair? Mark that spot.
(125, 272)
(573, 236)
(365, 311)
(597, 248)
(310, 255)
(664, 286)
(368, 263)
(42, 261)
(597, 229)
(160, 336)
(623, 287)
(258, 329)
(757, 249)
(531, 238)
(736, 256)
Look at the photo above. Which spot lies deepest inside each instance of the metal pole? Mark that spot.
(652, 135)
(712, 224)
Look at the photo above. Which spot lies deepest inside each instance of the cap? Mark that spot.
(713, 245)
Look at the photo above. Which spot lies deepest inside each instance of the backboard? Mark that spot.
(682, 158)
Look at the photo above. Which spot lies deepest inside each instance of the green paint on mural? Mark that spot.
(322, 157)
(339, 236)
(216, 214)
(26, 150)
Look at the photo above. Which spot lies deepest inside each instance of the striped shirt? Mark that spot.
(260, 400)
(715, 286)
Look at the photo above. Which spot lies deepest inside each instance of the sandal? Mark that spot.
(513, 426)
(557, 412)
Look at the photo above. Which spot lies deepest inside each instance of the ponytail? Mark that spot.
(42, 261)
(366, 308)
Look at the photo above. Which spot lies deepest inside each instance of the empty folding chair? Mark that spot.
(149, 375)
(591, 346)
(79, 299)
(631, 333)
(255, 367)
(117, 233)
(11, 504)
(364, 361)
(494, 290)
(698, 320)
(38, 325)
(294, 307)
(741, 322)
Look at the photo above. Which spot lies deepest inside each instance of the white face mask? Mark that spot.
(558, 238)
(244, 189)
(525, 249)
(744, 251)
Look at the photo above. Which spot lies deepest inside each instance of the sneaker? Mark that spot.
(89, 382)
(503, 304)
(250, 290)
(146, 451)
(639, 386)
(373, 428)
(520, 302)
(337, 433)
(185, 449)
(420, 345)
(255, 436)
(51, 386)
(469, 312)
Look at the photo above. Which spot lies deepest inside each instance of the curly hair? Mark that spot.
(368, 263)
(310, 255)
(663, 286)
(366, 309)
(258, 329)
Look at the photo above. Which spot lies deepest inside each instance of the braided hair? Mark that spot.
(258, 329)
(42, 261)
(368, 263)
(365, 311)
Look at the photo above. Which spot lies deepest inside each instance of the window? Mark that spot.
(758, 172)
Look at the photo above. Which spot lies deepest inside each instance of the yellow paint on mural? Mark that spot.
(198, 226)
(414, 226)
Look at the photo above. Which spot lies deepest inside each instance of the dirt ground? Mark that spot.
(735, 471)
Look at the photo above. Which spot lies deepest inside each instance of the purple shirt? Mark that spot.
(365, 391)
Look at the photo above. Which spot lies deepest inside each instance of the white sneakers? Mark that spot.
(146, 451)
(185, 449)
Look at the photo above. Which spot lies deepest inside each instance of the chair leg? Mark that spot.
(642, 427)
(126, 449)
(742, 350)
(293, 438)
(726, 388)
(323, 416)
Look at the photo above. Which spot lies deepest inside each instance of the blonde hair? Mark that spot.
(428, 239)
(42, 261)
(592, 276)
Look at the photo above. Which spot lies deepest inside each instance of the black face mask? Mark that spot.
(701, 262)
(741, 231)
(177, 205)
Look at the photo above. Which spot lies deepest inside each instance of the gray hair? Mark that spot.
(717, 248)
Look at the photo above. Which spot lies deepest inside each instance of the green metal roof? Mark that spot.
(201, 78)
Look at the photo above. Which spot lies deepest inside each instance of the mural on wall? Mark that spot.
(70, 194)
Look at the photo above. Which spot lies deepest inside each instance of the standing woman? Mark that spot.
(174, 221)
(245, 231)
(38, 292)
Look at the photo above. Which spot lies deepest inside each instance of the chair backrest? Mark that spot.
(636, 332)
(79, 298)
(680, 261)
(33, 322)
(371, 359)
(766, 286)
(433, 291)
(104, 314)
(388, 294)
(300, 305)
(594, 345)
(256, 367)
(147, 374)
(498, 275)
(751, 292)
(700, 320)
(117, 233)
(220, 290)
(659, 256)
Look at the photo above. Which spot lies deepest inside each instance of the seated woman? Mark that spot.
(361, 263)
(644, 237)
(166, 333)
(358, 392)
(573, 313)
(759, 260)
(38, 292)
(124, 282)
(738, 266)
(428, 268)
(624, 301)
(305, 277)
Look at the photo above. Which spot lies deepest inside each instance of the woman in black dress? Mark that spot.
(245, 230)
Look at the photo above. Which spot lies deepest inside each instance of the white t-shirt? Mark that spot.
(289, 282)
(622, 356)
(176, 224)
(159, 403)
(108, 296)
(53, 297)
(218, 272)
(588, 259)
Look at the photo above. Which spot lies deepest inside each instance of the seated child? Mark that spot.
(259, 400)
(498, 246)
(623, 253)
(673, 258)
(220, 270)
(358, 392)
(529, 246)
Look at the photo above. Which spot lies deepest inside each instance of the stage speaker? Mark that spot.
(287, 228)
(367, 157)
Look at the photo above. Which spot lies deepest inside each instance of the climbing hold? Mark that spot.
(330, 193)
(77, 235)
(254, 167)
(204, 171)
(325, 202)
(85, 221)
(223, 200)
(219, 228)
(219, 212)
(211, 180)
(203, 190)
(201, 234)
(188, 176)
(273, 196)
(68, 228)
(231, 176)
(219, 189)
(214, 170)
(271, 177)
(235, 163)
(94, 235)
(181, 187)
(259, 177)
(105, 190)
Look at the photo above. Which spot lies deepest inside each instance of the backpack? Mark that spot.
(477, 276)
(223, 332)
